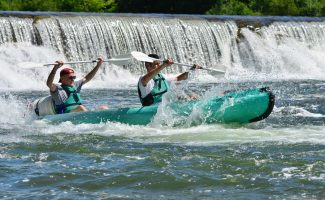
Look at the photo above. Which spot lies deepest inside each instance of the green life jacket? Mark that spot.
(155, 96)
(71, 102)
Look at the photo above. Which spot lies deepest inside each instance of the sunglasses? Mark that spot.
(70, 77)
(155, 63)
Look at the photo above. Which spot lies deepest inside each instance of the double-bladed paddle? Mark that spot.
(116, 60)
(145, 58)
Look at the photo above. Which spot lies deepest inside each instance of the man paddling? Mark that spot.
(153, 85)
(66, 96)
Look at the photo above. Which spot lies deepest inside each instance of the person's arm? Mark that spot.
(184, 75)
(50, 78)
(149, 76)
(92, 73)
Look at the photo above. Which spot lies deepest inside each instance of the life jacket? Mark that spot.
(155, 96)
(71, 102)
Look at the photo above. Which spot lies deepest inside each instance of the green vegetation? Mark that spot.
(165, 6)
(314, 8)
(59, 5)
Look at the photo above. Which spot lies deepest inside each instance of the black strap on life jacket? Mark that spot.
(147, 100)
(36, 108)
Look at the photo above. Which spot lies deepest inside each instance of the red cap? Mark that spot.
(66, 71)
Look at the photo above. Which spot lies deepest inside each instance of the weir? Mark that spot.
(85, 37)
(266, 45)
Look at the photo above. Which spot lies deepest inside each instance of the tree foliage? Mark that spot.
(231, 7)
(315, 8)
(59, 5)
(164, 6)
(219, 7)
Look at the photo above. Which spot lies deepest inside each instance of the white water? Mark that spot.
(286, 58)
(280, 51)
(19, 124)
(290, 60)
(15, 56)
(201, 135)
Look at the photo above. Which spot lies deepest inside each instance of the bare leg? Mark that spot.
(79, 108)
(102, 107)
(194, 96)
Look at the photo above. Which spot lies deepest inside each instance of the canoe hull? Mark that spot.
(234, 107)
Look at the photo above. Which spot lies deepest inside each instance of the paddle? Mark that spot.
(145, 58)
(117, 60)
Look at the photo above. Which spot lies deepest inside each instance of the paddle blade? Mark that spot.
(214, 71)
(142, 57)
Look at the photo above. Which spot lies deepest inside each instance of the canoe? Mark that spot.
(242, 107)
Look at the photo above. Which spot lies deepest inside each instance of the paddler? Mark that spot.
(154, 84)
(66, 96)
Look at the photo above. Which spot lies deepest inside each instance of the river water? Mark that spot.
(281, 157)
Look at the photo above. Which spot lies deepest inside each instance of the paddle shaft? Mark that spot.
(145, 58)
(76, 62)
(188, 65)
(120, 60)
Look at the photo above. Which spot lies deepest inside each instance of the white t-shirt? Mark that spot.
(145, 90)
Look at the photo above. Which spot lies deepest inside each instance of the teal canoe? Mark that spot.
(234, 107)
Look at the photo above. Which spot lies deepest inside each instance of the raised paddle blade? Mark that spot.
(214, 71)
(142, 57)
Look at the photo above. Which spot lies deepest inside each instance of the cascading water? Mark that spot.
(285, 50)
(279, 50)
(84, 38)
(186, 40)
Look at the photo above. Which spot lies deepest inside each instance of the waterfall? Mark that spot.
(285, 49)
(86, 37)
(185, 40)
(277, 49)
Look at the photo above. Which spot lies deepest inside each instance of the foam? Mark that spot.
(297, 111)
(264, 57)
